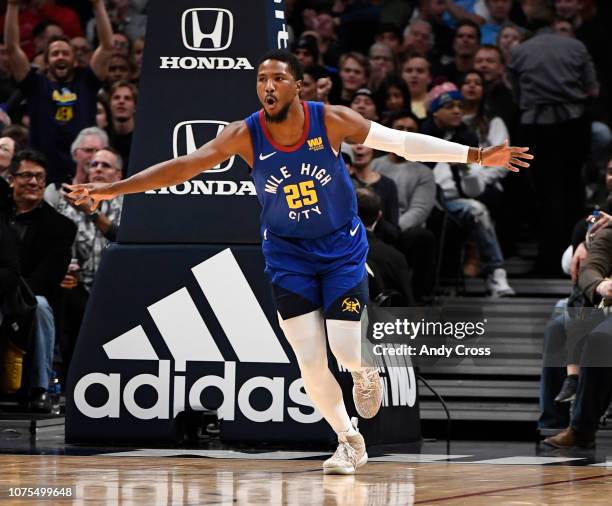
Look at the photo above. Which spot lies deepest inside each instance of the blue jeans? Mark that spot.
(43, 344)
(474, 216)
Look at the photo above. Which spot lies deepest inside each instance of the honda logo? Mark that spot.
(185, 135)
(207, 29)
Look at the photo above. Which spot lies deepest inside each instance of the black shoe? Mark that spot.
(568, 390)
(40, 403)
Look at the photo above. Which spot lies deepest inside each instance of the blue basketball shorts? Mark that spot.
(327, 272)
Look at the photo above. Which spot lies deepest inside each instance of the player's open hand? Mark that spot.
(510, 157)
(93, 193)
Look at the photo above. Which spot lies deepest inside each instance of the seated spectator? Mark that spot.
(418, 38)
(7, 150)
(460, 10)
(119, 69)
(594, 389)
(416, 196)
(94, 231)
(82, 51)
(45, 238)
(382, 63)
(102, 113)
(306, 50)
(316, 85)
(364, 176)
(123, 98)
(126, 18)
(392, 95)
(499, 10)
(88, 142)
(43, 32)
(121, 45)
(509, 37)
(18, 133)
(461, 185)
(363, 102)
(390, 35)
(465, 45)
(7, 83)
(324, 24)
(433, 12)
(62, 102)
(416, 72)
(354, 74)
(389, 267)
(489, 61)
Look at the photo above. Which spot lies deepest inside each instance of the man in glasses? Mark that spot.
(45, 237)
(89, 141)
(94, 231)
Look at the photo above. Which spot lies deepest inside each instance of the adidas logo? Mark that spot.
(248, 331)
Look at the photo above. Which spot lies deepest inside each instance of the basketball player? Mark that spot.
(313, 243)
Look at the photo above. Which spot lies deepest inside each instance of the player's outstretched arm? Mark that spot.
(233, 140)
(344, 123)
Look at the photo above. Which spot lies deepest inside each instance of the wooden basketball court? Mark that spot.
(181, 481)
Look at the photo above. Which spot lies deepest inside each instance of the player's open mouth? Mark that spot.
(270, 101)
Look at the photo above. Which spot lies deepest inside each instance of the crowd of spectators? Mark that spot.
(69, 74)
(478, 72)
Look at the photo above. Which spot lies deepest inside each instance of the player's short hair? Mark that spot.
(369, 204)
(286, 57)
(28, 155)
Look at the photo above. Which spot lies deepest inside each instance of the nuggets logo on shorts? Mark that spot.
(350, 305)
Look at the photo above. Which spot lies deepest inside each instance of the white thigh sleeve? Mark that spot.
(415, 147)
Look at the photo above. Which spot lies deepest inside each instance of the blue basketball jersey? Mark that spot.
(305, 190)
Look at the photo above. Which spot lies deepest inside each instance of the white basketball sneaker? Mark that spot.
(367, 391)
(350, 454)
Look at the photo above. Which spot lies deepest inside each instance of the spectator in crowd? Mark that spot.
(323, 23)
(306, 51)
(363, 102)
(418, 38)
(509, 37)
(94, 231)
(89, 141)
(416, 72)
(552, 76)
(136, 59)
(102, 113)
(18, 133)
(45, 238)
(43, 32)
(62, 102)
(499, 10)
(594, 389)
(82, 51)
(465, 45)
(382, 63)
(389, 268)
(392, 95)
(7, 151)
(364, 176)
(416, 189)
(462, 185)
(563, 27)
(354, 74)
(121, 45)
(32, 13)
(316, 85)
(118, 70)
(489, 61)
(433, 11)
(390, 35)
(123, 98)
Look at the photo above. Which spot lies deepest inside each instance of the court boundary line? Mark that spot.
(486, 492)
